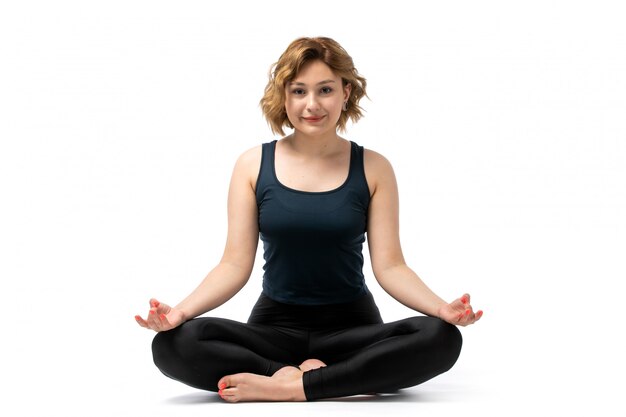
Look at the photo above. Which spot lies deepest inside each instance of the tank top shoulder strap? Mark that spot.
(266, 171)
(356, 159)
(356, 177)
(357, 168)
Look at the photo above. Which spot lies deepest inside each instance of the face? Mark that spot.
(314, 99)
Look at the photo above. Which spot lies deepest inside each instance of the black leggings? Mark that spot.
(363, 354)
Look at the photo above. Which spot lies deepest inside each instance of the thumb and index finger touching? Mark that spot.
(466, 304)
(156, 308)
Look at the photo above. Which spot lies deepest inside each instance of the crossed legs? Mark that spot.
(249, 362)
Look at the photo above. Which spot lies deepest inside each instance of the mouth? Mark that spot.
(313, 119)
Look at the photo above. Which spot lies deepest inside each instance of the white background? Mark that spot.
(120, 122)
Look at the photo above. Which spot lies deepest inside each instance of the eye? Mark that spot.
(297, 91)
(326, 90)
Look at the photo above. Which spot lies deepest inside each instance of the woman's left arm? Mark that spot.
(388, 264)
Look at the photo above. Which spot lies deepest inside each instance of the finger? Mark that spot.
(153, 320)
(152, 314)
(165, 324)
(141, 321)
(461, 319)
(465, 317)
(465, 299)
(479, 314)
(461, 303)
(162, 308)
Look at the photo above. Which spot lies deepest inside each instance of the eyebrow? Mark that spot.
(320, 83)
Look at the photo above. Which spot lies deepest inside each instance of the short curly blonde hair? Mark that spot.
(297, 54)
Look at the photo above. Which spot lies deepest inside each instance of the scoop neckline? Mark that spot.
(311, 192)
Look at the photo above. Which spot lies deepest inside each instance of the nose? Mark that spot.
(312, 103)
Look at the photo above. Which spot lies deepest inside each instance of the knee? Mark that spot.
(449, 342)
(171, 349)
(163, 350)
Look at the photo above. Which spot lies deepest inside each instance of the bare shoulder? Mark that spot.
(250, 160)
(375, 160)
(248, 164)
(378, 169)
(250, 157)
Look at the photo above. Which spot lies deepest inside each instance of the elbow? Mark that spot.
(382, 270)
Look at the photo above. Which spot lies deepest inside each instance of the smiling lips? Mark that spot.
(313, 119)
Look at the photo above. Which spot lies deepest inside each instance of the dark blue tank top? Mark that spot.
(313, 241)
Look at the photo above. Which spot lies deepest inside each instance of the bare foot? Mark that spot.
(310, 364)
(284, 385)
(287, 371)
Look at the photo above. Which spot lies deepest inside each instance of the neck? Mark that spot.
(314, 145)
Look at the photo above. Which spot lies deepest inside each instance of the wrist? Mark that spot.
(185, 314)
(439, 310)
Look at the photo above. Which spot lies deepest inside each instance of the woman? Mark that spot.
(311, 197)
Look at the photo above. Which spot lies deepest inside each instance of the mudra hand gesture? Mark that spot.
(161, 317)
(460, 312)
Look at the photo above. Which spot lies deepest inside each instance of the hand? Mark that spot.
(161, 317)
(460, 312)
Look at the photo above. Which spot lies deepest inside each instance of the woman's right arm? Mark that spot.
(235, 267)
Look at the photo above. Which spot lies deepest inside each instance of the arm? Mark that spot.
(235, 266)
(388, 264)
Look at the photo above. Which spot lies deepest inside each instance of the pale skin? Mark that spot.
(313, 158)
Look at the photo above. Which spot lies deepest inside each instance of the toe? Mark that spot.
(229, 395)
(224, 383)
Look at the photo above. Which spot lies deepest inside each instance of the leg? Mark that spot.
(202, 351)
(382, 358)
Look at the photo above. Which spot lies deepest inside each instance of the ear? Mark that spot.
(347, 89)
